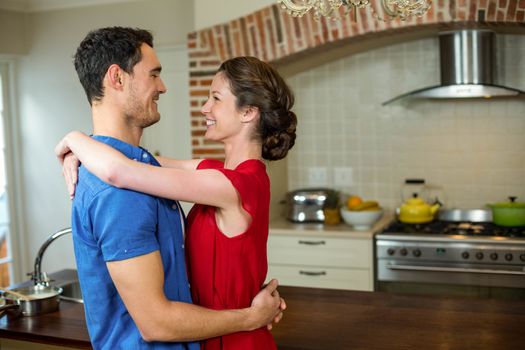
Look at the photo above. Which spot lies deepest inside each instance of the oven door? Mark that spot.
(451, 273)
(450, 280)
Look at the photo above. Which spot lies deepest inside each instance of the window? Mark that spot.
(5, 242)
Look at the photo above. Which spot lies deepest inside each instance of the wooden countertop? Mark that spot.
(333, 319)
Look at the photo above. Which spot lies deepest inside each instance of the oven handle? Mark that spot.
(452, 269)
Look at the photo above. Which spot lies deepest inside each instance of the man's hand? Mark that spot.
(279, 316)
(267, 306)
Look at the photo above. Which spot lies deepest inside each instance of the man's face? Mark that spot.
(144, 88)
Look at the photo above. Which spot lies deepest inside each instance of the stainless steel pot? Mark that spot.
(465, 215)
(30, 301)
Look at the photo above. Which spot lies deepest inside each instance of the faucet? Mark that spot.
(37, 276)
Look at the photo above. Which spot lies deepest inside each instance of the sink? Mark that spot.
(71, 292)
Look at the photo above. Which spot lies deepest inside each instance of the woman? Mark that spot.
(248, 110)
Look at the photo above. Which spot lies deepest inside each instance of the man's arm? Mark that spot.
(140, 283)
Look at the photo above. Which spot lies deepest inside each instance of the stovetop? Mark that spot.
(470, 229)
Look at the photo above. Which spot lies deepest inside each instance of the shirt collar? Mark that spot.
(130, 151)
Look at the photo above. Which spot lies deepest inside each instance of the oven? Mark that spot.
(451, 258)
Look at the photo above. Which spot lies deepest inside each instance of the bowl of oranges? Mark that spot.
(361, 214)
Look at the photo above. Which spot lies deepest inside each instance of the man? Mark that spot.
(129, 246)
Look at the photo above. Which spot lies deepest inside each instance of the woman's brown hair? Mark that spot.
(257, 84)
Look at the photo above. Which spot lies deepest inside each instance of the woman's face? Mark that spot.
(223, 120)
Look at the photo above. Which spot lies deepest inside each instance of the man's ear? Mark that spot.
(114, 77)
(249, 114)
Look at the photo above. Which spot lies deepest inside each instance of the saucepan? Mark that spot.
(30, 301)
(510, 214)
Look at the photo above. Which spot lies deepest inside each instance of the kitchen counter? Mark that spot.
(65, 327)
(282, 226)
(335, 319)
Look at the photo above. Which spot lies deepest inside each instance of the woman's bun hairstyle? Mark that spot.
(257, 84)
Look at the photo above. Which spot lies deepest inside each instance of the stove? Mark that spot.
(451, 228)
(444, 253)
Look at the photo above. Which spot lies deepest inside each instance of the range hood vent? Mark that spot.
(468, 68)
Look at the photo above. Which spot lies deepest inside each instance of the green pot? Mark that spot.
(510, 214)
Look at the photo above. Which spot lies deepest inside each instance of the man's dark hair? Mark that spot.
(106, 46)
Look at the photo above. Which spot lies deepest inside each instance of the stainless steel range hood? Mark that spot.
(468, 68)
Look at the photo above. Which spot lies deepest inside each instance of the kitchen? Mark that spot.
(459, 145)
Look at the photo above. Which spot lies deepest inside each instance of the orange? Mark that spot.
(353, 201)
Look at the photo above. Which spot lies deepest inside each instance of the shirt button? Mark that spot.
(182, 246)
(144, 156)
(174, 206)
(135, 159)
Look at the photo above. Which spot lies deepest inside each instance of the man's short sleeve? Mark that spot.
(124, 223)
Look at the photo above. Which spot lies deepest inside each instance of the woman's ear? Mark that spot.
(249, 114)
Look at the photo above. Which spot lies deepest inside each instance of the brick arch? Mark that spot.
(274, 36)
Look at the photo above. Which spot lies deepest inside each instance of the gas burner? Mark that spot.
(457, 228)
(515, 232)
(434, 227)
(468, 228)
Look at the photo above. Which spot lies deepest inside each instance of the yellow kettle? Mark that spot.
(417, 211)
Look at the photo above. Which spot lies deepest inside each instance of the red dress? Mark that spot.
(226, 273)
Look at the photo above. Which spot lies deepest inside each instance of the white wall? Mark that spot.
(52, 102)
(473, 149)
(211, 12)
(12, 32)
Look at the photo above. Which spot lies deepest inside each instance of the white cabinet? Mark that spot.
(307, 259)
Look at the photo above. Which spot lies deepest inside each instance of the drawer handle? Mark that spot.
(312, 273)
(312, 242)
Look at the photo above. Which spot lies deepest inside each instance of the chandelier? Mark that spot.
(402, 9)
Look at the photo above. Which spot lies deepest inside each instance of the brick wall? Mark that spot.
(272, 35)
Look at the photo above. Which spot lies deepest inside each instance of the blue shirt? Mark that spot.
(111, 224)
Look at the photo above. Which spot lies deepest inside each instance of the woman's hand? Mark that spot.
(70, 164)
(61, 149)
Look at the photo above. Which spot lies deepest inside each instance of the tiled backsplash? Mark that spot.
(474, 150)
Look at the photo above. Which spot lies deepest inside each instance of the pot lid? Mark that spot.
(415, 201)
(510, 204)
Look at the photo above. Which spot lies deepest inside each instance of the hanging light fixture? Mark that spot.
(402, 9)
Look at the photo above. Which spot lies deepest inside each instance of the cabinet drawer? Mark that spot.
(332, 278)
(320, 251)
